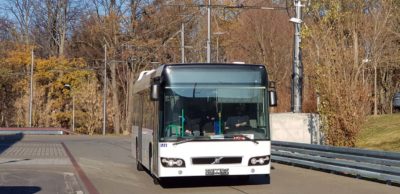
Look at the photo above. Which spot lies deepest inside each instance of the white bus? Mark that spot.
(203, 120)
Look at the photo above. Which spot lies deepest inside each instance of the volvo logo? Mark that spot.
(217, 160)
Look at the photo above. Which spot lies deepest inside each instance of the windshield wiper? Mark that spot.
(245, 137)
(196, 138)
(186, 140)
(183, 141)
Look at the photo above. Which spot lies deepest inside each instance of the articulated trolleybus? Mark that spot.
(203, 120)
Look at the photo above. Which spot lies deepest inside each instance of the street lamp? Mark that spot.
(69, 87)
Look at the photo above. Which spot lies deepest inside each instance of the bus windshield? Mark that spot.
(214, 112)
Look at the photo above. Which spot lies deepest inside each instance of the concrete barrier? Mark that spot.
(34, 131)
(296, 127)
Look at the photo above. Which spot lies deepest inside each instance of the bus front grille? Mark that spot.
(217, 160)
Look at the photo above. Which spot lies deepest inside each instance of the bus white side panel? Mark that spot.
(135, 131)
(147, 136)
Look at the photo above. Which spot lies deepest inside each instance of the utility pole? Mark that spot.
(209, 32)
(105, 91)
(297, 76)
(31, 92)
(375, 91)
(183, 42)
(73, 111)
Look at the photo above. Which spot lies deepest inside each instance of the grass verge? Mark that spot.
(380, 133)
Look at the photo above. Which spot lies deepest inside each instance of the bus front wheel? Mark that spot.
(156, 181)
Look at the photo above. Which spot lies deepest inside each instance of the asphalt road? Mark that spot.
(41, 164)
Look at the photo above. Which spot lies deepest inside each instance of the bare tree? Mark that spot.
(22, 10)
(53, 20)
(341, 40)
(261, 36)
(381, 44)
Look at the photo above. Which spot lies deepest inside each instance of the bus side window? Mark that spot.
(148, 111)
(136, 111)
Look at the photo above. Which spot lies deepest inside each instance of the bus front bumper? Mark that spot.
(213, 170)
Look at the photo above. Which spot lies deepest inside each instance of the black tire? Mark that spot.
(150, 154)
(156, 181)
(139, 166)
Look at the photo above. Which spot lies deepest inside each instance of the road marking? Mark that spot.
(86, 181)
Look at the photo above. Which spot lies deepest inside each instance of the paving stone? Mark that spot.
(32, 150)
(33, 154)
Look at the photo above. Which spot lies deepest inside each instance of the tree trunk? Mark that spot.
(355, 43)
(63, 27)
(134, 7)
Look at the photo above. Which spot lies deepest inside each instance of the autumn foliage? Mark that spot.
(350, 54)
(341, 46)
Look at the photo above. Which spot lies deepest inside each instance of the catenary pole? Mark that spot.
(297, 77)
(105, 91)
(183, 42)
(209, 32)
(31, 90)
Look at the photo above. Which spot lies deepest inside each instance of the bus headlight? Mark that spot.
(253, 161)
(172, 162)
(259, 160)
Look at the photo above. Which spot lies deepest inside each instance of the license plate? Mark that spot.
(217, 172)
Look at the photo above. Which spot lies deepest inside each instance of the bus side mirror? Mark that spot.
(155, 92)
(273, 99)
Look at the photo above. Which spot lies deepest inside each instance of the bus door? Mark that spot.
(156, 129)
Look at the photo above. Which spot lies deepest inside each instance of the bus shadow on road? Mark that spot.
(19, 189)
(6, 141)
(185, 182)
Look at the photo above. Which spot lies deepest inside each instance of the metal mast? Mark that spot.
(183, 42)
(31, 92)
(209, 33)
(105, 91)
(297, 77)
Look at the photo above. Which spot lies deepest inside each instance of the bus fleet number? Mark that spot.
(163, 145)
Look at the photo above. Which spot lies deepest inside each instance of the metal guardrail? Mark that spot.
(378, 165)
